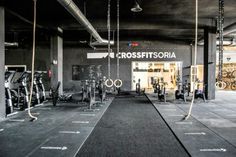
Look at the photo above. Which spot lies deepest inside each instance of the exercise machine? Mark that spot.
(84, 90)
(138, 87)
(102, 89)
(8, 97)
(41, 88)
(54, 94)
(139, 91)
(19, 91)
(91, 94)
(200, 93)
(155, 84)
(35, 95)
(56, 97)
(183, 91)
(161, 90)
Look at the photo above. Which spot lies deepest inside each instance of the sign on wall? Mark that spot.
(134, 55)
(147, 55)
(100, 55)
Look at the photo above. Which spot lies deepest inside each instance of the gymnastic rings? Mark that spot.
(109, 83)
(220, 85)
(118, 83)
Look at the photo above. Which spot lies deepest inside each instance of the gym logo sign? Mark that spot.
(100, 55)
(146, 55)
(133, 55)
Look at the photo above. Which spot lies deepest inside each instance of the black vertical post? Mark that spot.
(2, 64)
(209, 62)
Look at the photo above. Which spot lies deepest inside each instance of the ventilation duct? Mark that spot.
(72, 8)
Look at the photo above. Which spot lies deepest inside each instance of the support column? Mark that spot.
(57, 61)
(2, 64)
(209, 62)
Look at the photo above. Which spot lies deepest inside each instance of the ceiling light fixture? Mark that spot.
(136, 8)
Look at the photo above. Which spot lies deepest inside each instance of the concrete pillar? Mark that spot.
(209, 62)
(56, 54)
(2, 64)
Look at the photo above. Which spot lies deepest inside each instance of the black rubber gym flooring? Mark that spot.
(209, 132)
(59, 131)
(132, 127)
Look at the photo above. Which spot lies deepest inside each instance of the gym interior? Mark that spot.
(117, 78)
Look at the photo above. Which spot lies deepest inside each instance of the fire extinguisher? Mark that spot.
(49, 73)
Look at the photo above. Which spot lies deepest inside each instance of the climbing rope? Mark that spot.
(109, 82)
(194, 62)
(118, 81)
(33, 60)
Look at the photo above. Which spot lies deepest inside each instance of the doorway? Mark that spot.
(148, 72)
